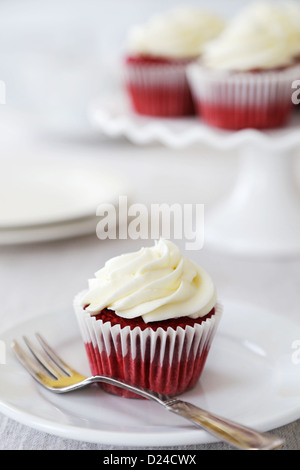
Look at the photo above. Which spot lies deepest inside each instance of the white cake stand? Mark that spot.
(261, 215)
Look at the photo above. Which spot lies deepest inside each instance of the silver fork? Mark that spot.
(50, 371)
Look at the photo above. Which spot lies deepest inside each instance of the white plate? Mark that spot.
(43, 200)
(51, 232)
(35, 192)
(112, 115)
(249, 377)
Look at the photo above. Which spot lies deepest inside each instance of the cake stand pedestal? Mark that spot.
(261, 215)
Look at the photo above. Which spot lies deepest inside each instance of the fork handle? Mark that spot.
(235, 434)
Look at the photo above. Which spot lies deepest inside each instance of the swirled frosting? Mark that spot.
(260, 37)
(155, 283)
(180, 33)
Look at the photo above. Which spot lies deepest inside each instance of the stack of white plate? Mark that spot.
(45, 199)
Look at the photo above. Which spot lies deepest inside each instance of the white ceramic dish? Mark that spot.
(35, 192)
(250, 377)
(112, 115)
(48, 233)
(44, 200)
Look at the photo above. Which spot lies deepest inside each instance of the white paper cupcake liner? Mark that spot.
(148, 357)
(159, 90)
(173, 75)
(260, 95)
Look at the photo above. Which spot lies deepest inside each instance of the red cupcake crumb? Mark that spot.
(114, 319)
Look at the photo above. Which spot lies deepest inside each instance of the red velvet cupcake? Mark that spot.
(159, 52)
(235, 100)
(245, 76)
(149, 318)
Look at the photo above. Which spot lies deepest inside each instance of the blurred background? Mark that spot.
(55, 55)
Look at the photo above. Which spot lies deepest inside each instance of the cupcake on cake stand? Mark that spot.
(243, 82)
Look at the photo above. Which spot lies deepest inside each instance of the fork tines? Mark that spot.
(52, 364)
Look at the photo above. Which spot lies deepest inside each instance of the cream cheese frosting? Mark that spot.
(179, 33)
(156, 283)
(259, 37)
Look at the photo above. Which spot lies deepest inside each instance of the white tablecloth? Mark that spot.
(44, 277)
